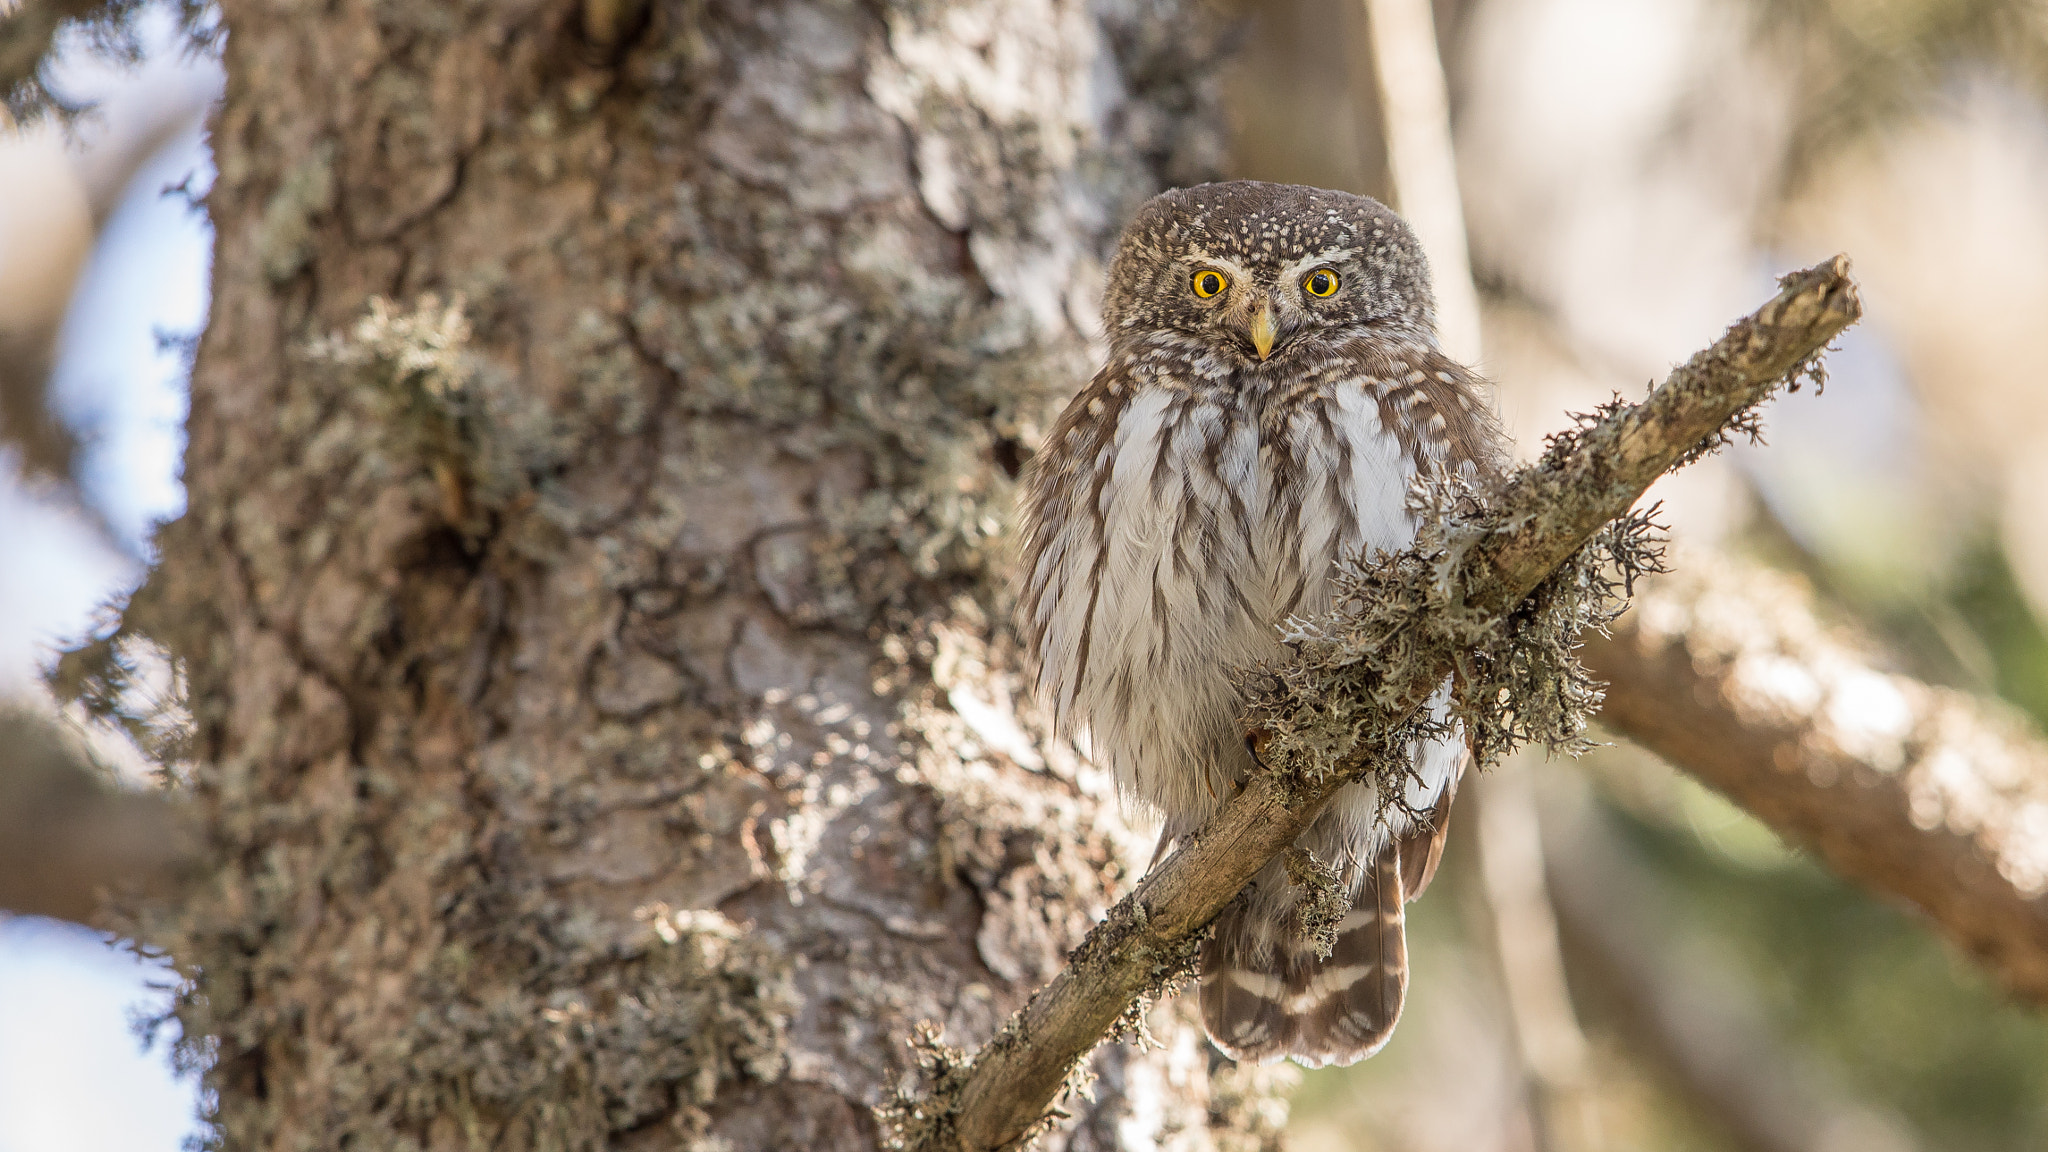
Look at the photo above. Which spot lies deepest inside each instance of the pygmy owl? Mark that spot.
(1273, 387)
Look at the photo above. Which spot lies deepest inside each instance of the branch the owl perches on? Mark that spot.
(1475, 579)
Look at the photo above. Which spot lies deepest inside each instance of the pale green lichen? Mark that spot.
(450, 409)
(579, 1037)
(1325, 901)
(1347, 695)
(417, 352)
(922, 1117)
(284, 237)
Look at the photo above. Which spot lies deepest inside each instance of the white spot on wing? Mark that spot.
(1259, 984)
(1327, 983)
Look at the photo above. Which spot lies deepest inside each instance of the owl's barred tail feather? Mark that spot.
(1264, 1004)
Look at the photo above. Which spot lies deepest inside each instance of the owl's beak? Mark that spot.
(1262, 330)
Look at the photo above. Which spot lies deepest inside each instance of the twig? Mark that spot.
(27, 34)
(1922, 793)
(1543, 517)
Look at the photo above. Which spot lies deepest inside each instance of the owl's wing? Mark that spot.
(1060, 577)
(1261, 1004)
(1423, 847)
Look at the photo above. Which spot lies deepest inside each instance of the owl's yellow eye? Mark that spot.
(1208, 282)
(1321, 282)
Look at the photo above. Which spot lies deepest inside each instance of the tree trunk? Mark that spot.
(592, 590)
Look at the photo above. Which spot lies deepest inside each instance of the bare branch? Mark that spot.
(1485, 567)
(1922, 793)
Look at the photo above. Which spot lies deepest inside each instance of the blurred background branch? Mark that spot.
(70, 160)
(1415, 106)
(1924, 794)
(68, 834)
(28, 29)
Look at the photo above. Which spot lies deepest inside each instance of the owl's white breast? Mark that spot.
(1354, 496)
(1208, 538)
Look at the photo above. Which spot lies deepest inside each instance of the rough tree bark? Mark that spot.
(600, 454)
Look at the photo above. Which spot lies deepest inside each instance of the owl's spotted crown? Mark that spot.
(1268, 238)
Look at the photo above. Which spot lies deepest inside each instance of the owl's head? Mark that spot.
(1263, 272)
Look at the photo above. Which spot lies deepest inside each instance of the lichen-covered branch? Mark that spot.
(1922, 793)
(1416, 618)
